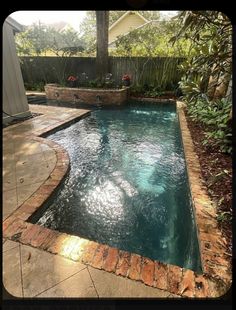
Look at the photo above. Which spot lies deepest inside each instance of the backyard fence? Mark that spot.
(157, 71)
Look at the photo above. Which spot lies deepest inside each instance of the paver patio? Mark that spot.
(29, 272)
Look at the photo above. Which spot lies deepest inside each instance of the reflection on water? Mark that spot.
(127, 185)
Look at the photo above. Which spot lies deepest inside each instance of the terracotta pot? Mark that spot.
(126, 82)
(72, 84)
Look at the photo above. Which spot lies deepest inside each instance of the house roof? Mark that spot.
(153, 22)
(14, 24)
(59, 26)
(124, 15)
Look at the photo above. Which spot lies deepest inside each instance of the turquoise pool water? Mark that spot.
(127, 186)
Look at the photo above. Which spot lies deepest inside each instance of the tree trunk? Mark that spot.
(212, 84)
(102, 18)
(221, 89)
(218, 85)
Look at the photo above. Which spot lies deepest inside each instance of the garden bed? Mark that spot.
(216, 169)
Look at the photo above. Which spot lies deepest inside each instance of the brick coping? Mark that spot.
(56, 86)
(216, 278)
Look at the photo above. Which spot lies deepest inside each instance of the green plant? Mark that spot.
(100, 83)
(92, 83)
(215, 117)
(216, 178)
(224, 216)
(109, 84)
(154, 93)
(208, 71)
(35, 86)
(137, 89)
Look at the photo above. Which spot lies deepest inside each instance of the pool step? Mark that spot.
(36, 99)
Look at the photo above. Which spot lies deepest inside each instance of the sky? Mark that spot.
(74, 18)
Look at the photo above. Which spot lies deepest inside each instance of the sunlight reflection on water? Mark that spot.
(127, 185)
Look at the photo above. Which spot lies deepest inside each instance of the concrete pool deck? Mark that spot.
(32, 169)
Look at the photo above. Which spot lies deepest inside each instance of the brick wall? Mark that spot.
(88, 96)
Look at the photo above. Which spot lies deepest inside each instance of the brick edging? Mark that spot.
(215, 280)
(215, 262)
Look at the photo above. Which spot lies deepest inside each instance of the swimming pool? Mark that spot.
(127, 186)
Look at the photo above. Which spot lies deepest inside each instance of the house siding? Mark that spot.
(131, 21)
(14, 98)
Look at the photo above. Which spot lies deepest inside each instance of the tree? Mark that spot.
(88, 30)
(34, 41)
(88, 27)
(65, 43)
(209, 71)
(102, 18)
(40, 39)
(152, 40)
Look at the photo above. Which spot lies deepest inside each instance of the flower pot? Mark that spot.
(72, 84)
(126, 82)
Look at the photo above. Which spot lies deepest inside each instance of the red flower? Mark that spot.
(72, 78)
(126, 77)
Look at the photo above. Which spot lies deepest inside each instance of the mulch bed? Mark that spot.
(216, 169)
(20, 120)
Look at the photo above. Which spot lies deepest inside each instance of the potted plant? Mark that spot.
(126, 80)
(72, 81)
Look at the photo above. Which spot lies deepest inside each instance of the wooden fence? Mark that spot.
(157, 71)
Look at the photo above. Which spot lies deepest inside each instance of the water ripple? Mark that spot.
(127, 186)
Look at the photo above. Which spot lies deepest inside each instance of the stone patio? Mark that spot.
(27, 163)
(29, 272)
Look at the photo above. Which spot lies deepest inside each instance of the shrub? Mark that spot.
(215, 116)
(35, 86)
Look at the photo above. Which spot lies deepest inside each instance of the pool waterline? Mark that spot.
(136, 196)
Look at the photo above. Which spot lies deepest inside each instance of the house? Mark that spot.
(15, 103)
(126, 23)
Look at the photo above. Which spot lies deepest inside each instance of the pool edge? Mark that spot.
(212, 244)
(168, 277)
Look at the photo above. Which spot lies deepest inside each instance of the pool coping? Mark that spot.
(216, 278)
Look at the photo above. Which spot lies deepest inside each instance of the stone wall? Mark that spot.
(88, 96)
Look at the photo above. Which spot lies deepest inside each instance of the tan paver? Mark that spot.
(27, 163)
(8, 245)
(109, 285)
(12, 271)
(9, 202)
(79, 285)
(42, 270)
(28, 173)
(9, 179)
(25, 191)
